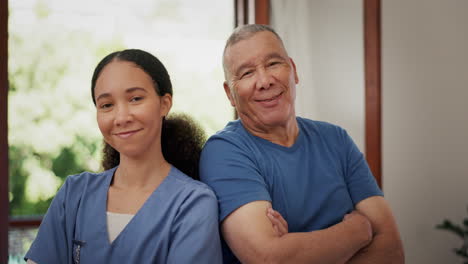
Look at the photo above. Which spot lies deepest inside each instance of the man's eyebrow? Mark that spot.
(270, 56)
(129, 90)
(274, 56)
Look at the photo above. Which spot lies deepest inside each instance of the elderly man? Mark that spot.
(310, 172)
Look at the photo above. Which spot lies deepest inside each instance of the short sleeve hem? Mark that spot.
(232, 206)
(362, 196)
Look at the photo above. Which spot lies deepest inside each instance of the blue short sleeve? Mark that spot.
(51, 243)
(359, 178)
(195, 230)
(226, 165)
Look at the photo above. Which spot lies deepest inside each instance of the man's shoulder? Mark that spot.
(232, 130)
(233, 134)
(320, 127)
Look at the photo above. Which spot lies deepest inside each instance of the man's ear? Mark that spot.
(166, 104)
(296, 77)
(227, 90)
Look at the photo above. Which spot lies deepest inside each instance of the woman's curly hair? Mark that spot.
(182, 140)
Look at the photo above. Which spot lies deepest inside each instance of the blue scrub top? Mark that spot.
(177, 224)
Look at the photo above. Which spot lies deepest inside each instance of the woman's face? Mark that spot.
(129, 111)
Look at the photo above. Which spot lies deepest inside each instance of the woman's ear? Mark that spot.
(166, 104)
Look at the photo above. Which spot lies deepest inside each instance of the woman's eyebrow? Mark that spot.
(133, 89)
(129, 90)
(103, 95)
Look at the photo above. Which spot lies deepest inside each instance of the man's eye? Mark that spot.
(246, 74)
(273, 63)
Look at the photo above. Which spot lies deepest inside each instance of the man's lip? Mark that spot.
(126, 134)
(269, 99)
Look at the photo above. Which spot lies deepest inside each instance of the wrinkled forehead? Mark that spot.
(256, 46)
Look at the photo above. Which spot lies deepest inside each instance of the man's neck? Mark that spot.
(284, 135)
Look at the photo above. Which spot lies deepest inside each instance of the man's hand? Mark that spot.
(278, 222)
(361, 223)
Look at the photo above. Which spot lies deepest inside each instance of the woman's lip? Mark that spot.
(127, 134)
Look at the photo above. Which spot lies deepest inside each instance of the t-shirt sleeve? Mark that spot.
(50, 245)
(359, 178)
(228, 168)
(195, 232)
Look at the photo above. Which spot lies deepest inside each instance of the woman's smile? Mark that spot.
(127, 134)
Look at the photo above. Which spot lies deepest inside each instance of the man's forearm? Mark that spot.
(384, 248)
(336, 244)
(255, 241)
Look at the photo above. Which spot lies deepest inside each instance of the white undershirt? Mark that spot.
(116, 223)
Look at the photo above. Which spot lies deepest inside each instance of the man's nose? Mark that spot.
(264, 79)
(123, 115)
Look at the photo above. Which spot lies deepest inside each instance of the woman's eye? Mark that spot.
(136, 99)
(105, 106)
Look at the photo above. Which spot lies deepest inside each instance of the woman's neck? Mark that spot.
(140, 173)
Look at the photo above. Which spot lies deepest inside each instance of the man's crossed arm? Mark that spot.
(253, 239)
(368, 235)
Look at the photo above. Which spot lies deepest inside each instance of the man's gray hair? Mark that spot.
(242, 33)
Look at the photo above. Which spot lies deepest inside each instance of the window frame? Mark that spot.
(4, 199)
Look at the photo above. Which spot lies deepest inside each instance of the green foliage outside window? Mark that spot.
(54, 47)
(52, 128)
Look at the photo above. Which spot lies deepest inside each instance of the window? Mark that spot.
(54, 46)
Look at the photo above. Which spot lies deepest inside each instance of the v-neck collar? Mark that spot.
(103, 207)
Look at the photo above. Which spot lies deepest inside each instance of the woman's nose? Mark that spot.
(123, 116)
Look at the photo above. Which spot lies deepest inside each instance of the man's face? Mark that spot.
(261, 81)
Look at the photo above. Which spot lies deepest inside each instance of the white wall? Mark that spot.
(425, 121)
(325, 39)
(425, 102)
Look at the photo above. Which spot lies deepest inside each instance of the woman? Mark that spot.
(142, 209)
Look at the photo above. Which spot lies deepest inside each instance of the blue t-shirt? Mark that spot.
(178, 223)
(313, 183)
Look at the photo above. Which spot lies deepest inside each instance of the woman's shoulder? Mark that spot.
(87, 177)
(185, 184)
(78, 183)
(189, 195)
